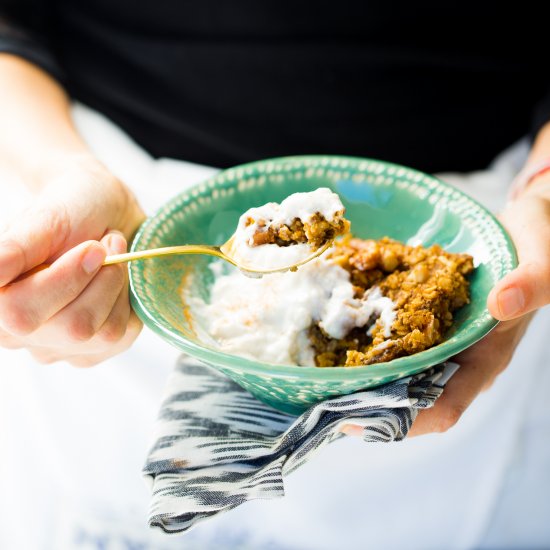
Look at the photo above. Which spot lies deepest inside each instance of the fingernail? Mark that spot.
(116, 244)
(511, 302)
(6, 266)
(92, 260)
(352, 429)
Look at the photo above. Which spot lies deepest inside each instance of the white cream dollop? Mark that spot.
(269, 318)
(343, 312)
(297, 205)
(271, 256)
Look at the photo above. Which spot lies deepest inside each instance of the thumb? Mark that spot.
(527, 287)
(34, 237)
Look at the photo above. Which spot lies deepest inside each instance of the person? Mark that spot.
(220, 85)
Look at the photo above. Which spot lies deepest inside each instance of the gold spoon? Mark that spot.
(226, 252)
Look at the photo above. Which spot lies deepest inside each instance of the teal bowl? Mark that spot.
(380, 199)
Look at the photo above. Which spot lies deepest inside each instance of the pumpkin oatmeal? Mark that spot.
(361, 302)
(426, 285)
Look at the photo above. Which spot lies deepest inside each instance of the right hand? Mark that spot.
(75, 310)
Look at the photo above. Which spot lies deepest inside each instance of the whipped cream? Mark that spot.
(270, 256)
(298, 205)
(269, 318)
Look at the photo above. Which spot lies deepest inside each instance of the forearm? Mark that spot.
(540, 152)
(37, 134)
(39, 142)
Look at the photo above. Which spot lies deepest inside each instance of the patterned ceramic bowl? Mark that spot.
(380, 198)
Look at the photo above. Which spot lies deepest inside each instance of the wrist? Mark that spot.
(539, 186)
(534, 176)
(532, 173)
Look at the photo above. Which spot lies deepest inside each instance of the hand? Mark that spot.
(513, 301)
(74, 310)
(479, 366)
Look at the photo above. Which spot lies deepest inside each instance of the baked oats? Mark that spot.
(316, 231)
(426, 285)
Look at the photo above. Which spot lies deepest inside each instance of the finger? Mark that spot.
(479, 367)
(115, 326)
(527, 287)
(45, 355)
(352, 429)
(83, 318)
(77, 332)
(8, 341)
(133, 329)
(33, 238)
(87, 354)
(27, 304)
(91, 353)
(461, 390)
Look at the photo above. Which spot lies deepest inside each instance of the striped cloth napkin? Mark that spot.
(216, 446)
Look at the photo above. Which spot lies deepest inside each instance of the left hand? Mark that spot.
(513, 301)
(75, 310)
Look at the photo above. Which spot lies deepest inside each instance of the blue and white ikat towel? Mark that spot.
(216, 446)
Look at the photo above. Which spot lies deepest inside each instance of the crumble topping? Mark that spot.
(426, 285)
(362, 302)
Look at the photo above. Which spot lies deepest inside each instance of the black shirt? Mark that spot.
(437, 87)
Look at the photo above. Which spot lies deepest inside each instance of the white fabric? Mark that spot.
(74, 441)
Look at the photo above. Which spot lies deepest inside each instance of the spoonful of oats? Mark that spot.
(270, 238)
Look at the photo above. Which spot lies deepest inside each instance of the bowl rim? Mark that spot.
(414, 363)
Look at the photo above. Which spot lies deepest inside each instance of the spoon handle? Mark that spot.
(144, 254)
(166, 251)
